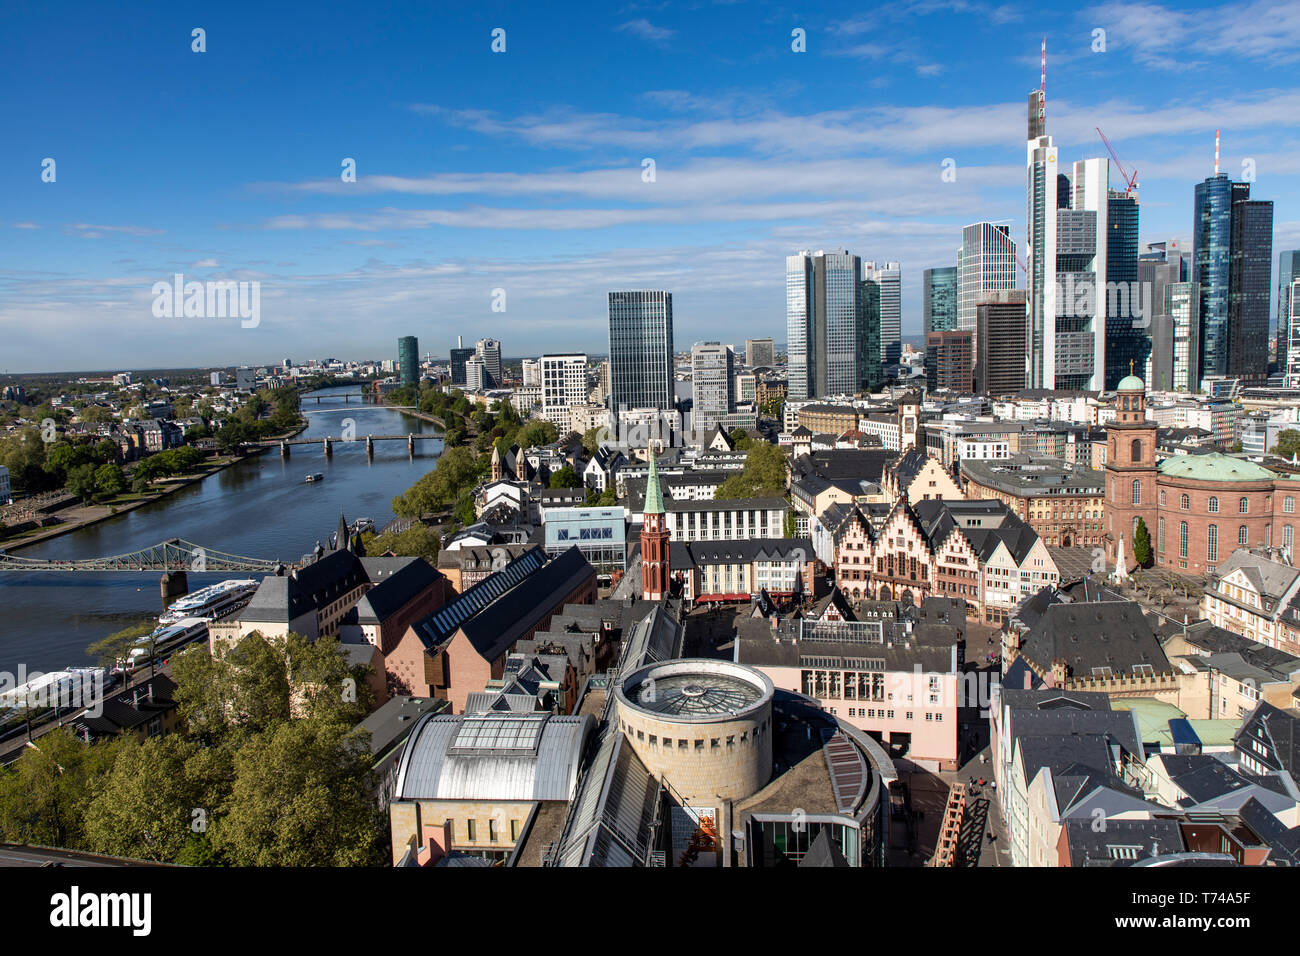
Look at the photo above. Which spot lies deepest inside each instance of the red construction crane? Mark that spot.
(1132, 181)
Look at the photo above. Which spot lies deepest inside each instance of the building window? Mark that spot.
(1241, 536)
(469, 831)
(1288, 504)
(1182, 538)
(1212, 544)
(1160, 535)
(1185, 503)
(1162, 498)
(1214, 504)
(1243, 506)
(1137, 491)
(1287, 536)
(1137, 449)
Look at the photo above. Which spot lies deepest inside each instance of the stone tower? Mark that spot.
(1130, 469)
(654, 539)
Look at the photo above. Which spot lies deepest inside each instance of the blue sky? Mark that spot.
(522, 170)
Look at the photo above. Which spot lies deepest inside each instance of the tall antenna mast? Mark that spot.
(1216, 152)
(1042, 90)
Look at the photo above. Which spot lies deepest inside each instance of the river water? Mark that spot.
(259, 508)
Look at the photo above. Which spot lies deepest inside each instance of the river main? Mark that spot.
(259, 508)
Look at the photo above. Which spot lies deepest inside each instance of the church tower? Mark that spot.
(1130, 471)
(654, 539)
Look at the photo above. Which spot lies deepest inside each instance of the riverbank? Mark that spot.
(83, 516)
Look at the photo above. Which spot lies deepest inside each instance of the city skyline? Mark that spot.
(547, 197)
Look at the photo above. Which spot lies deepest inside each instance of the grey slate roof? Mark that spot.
(396, 589)
(281, 598)
(1089, 637)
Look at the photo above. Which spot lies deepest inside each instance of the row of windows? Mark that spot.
(1212, 506)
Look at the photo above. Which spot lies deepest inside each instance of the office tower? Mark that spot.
(832, 325)
(1232, 245)
(1288, 335)
(949, 360)
(1066, 246)
(476, 376)
(939, 299)
(986, 262)
(1250, 277)
(889, 277)
(712, 397)
(459, 356)
(1175, 337)
(408, 359)
(760, 352)
(1128, 334)
(869, 370)
(564, 384)
(1001, 340)
(745, 388)
(530, 373)
(489, 350)
(641, 350)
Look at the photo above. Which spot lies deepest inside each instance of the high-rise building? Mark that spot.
(1175, 336)
(760, 352)
(986, 262)
(1001, 339)
(1128, 334)
(530, 373)
(1232, 246)
(476, 376)
(829, 321)
(1288, 333)
(408, 359)
(939, 299)
(949, 360)
(641, 350)
(564, 384)
(489, 350)
(1250, 276)
(712, 370)
(1066, 233)
(459, 356)
(890, 277)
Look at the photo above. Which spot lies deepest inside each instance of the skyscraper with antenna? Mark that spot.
(1065, 249)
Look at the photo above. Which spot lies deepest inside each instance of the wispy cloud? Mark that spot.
(646, 30)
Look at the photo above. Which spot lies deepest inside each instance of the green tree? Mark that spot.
(1288, 443)
(236, 693)
(302, 797)
(536, 433)
(81, 482)
(115, 650)
(146, 806)
(457, 470)
(591, 439)
(45, 793)
(608, 497)
(1142, 544)
(110, 480)
(740, 438)
(763, 476)
(566, 477)
(418, 541)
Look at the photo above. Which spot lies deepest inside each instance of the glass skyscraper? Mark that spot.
(1232, 256)
(1128, 336)
(1250, 276)
(1211, 250)
(1288, 330)
(828, 325)
(408, 359)
(939, 299)
(986, 262)
(889, 276)
(641, 350)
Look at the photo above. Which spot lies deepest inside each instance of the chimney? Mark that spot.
(135, 697)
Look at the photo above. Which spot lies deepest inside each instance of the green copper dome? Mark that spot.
(1213, 467)
(1131, 383)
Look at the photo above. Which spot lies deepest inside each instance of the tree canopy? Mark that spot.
(763, 476)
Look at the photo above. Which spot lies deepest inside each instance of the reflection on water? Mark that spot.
(259, 508)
